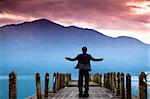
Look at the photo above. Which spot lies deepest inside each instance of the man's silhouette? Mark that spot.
(84, 67)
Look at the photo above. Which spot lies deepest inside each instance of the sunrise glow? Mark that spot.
(15, 17)
(116, 33)
(140, 7)
(111, 17)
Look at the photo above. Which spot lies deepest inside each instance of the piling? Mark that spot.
(122, 88)
(108, 80)
(66, 79)
(57, 80)
(118, 84)
(111, 81)
(142, 86)
(12, 85)
(63, 80)
(54, 83)
(96, 78)
(128, 86)
(104, 82)
(100, 80)
(60, 81)
(90, 77)
(46, 85)
(38, 86)
(69, 75)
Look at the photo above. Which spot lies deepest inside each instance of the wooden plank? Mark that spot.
(75, 83)
(94, 93)
(71, 92)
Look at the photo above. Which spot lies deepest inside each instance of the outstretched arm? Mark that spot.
(71, 59)
(97, 59)
(93, 59)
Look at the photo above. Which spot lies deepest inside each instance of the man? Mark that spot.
(84, 68)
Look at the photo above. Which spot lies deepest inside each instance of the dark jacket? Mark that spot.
(84, 61)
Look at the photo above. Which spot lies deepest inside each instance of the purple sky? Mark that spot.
(111, 17)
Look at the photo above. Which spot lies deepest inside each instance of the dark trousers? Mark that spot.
(83, 73)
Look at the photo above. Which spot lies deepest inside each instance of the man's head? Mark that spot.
(84, 50)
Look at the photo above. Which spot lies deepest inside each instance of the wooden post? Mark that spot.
(58, 78)
(100, 81)
(93, 78)
(128, 86)
(142, 86)
(111, 81)
(90, 77)
(96, 78)
(118, 84)
(69, 77)
(66, 79)
(104, 83)
(108, 80)
(46, 84)
(12, 86)
(122, 88)
(54, 83)
(38, 86)
(63, 80)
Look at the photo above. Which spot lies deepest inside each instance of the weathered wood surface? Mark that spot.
(74, 83)
(71, 92)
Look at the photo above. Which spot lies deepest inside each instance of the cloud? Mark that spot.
(102, 15)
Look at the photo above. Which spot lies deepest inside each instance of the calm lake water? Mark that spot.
(26, 86)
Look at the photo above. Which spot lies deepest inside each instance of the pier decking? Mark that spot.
(71, 92)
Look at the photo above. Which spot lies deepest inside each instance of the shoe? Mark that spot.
(86, 95)
(80, 95)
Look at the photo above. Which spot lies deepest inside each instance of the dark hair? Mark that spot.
(84, 49)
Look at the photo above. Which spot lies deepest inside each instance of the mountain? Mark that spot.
(40, 46)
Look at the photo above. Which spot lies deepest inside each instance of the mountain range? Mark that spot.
(40, 46)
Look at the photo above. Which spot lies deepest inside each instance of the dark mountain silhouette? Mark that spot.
(41, 45)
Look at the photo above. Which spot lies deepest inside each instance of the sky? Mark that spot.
(111, 17)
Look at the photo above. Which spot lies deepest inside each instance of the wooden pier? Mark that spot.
(71, 92)
(107, 86)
